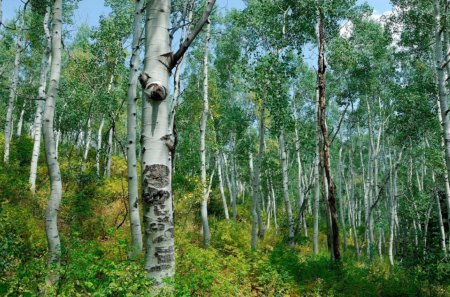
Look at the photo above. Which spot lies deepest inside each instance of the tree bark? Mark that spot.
(40, 104)
(203, 123)
(222, 192)
(133, 200)
(13, 88)
(287, 201)
(325, 154)
(51, 213)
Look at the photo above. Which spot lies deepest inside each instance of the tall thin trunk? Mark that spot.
(316, 198)
(99, 146)
(257, 195)
(439, 215)
(133, 200)
(203, 123)
(20, 123)
(87, 144)
(341, 200)
(13, 88)
(443, 98)
(40, 104)
(254, 201)
(393, 208)
(325, 153)
(287, 201)
(51, 213)
(109, 152)
(222, 192)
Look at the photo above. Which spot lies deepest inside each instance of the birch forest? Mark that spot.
(224, 148)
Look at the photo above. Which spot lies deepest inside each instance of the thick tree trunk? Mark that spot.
(51, 213)
(156, 145)
(40, 104)
(325, 154)
(13, 88)
(287, 201)
(133, 200)
(203, 123)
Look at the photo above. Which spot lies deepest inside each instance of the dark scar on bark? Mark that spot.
(169, 233)
(164, 255)
(160, 212)
(154, 196)
(160, 267)
(156, 175)
(158, 239)
(156, 227)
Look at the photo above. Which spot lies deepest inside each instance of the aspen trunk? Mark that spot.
(257, 195)
(439, 215)
(316, 200)
(155, 143)
(13, 89)
(87, 143)
(222, 192)
(254, 201)
(325, 154)
(20, 123)
(51, 213)
(99, 146)
(443, 100)
(341, 202)
(110, 152)
(45, 65)
(204, 119)
(287, 201)
(133, 200)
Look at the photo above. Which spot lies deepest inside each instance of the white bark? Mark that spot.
(45, 66)
(222, 192)
(439, 215)
(20, 123)
(156, 159)
(99, 146)
(203, 123)
(13, 89)
(287, 202)
(133, 200)
(51, 213)
(109, 153)
(443, 92)
(87, 144)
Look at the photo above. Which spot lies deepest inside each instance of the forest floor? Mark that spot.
(95, 239)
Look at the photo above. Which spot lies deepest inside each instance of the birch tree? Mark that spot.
(51, 213)
(155, 142)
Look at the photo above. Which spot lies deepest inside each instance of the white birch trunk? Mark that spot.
(222, 191)
(45, 65)
(110, 152)
(203, 123)
(133, 200)
(20, 123)
(155, 142)
(439, 215)
(287, 202)
(51, 213)
(13, 89)
(99, 146)
(87, 144)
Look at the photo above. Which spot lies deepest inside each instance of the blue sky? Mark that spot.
(89, 11)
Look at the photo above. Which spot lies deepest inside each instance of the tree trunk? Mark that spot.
(13, 88)
(20, 123)
(254, 201)
(203, 123)
(341, 202)
(155, 142)
(287, 202)
(99, 146)
(316, 199)
(222, 192)
(257, 195)
(45, 65)
(133, 200)
(439, 215)
(51, 213)
(445, 115)
(325, 154)
(110, 152)
(87, 144)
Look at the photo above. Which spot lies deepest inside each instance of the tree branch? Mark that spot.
(198, 27)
